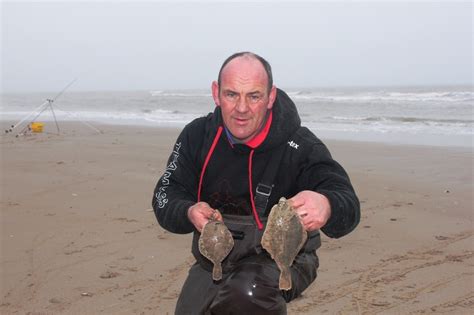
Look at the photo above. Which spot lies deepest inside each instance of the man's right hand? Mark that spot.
(200, 213)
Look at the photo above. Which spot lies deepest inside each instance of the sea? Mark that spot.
(437, 115)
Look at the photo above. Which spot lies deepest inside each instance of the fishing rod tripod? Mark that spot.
(39, 110)
(48, 104)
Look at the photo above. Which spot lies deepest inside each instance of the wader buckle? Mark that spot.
(264, 190)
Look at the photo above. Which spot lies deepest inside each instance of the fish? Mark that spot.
(283, 238)
(215, 243)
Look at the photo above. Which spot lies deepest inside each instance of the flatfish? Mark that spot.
(215, 243)
(283, 238)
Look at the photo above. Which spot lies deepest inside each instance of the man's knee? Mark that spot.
(197, 292)
(252, 288)
(303, 273)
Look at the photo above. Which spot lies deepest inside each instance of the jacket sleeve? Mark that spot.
(320, 173)
(176, 190)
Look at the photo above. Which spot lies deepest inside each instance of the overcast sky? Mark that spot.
(171, 45)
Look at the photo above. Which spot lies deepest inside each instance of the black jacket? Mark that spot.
(306, 165)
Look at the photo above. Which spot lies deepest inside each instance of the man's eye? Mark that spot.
(254, 98)
(230, 94)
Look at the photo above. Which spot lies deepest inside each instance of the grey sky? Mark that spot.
(172, 45)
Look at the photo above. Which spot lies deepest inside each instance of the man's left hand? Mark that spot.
(313, 208)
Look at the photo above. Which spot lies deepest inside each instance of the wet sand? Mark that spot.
(78, 235)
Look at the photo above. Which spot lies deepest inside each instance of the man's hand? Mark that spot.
(313, 208)
(200, 213)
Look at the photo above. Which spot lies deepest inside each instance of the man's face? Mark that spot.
(243, 96)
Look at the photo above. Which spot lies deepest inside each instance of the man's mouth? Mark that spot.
(240, 121)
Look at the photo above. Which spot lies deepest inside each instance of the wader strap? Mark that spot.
(264, 188)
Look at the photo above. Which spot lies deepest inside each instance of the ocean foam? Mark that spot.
(435, 111)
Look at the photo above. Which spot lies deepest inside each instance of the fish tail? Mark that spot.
(217, 272)
(285, 279)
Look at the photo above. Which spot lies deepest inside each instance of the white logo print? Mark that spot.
(293, 144)
(161, 194)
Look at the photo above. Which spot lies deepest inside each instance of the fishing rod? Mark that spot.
(63, 90)
(12, 127)
(47, 104)
(27, 126)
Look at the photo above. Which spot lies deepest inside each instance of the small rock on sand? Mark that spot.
(109, 274)
(54, 300)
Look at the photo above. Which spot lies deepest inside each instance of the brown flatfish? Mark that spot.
(215, 243)
(283, 238)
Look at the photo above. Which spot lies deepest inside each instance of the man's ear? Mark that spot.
(215, 92)
(272, 97)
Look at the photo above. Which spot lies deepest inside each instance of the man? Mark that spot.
(234, 165)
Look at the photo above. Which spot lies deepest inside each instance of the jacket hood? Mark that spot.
(285, 121)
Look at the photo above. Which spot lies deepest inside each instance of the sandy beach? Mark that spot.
(78, 235)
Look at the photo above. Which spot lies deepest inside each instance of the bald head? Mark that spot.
(250, 56)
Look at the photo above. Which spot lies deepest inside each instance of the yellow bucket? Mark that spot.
(37, 127)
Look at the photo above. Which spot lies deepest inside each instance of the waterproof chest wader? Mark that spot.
(250, 282)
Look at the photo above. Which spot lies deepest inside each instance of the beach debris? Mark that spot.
(283, 238)
(132, 231)
(128, 257)
(441, 237)
(393, 219)
(74, 251)
(380, 303)
(446, 191)
(86, 294)
(215, 243)
(162, 236)
(109, 274)
(74, 194)
(54, 300)
(121, 219)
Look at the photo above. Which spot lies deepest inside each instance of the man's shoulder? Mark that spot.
(198, 123)
(304, 143)
(306, 137)
(198, 126)
(195, 133)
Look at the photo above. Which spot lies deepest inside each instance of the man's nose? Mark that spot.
(241, 105)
